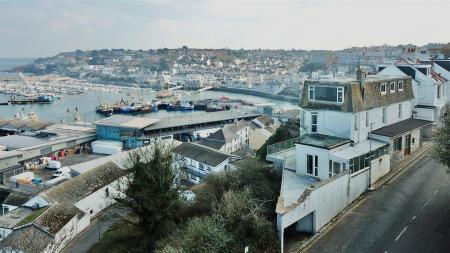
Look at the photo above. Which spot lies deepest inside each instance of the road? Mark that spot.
(98, 226)
(411, 213)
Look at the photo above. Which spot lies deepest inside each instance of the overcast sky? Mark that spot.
(44, 28)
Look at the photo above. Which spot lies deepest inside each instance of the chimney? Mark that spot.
(361, 76)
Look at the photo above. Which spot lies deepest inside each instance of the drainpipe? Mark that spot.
(370, 188)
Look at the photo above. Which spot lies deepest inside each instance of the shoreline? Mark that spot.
(258, 94)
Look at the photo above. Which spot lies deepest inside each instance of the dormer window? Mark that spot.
(326, 94)
(392, 87)
(400, 86)
(383, 88)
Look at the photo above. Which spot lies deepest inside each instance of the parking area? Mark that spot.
(47, 174)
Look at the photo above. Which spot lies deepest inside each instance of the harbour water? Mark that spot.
(64, 109)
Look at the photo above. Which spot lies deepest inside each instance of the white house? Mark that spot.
(230, 138)
(430, 88)
(197, 160)
(348, 129)
(261, 129)
(61, 212)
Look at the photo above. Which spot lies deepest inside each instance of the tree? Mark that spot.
(441, 138)
(151, 192)
(199, 235)
(244, 218)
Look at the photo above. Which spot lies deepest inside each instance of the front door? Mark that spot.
(408, 145)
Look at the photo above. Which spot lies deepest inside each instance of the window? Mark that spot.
(336, 168)
(330, 168)
(398, 144)
(383, 88)
(400, 85)
(438, 91)
(326, 93)
(311, 93)
(340, 95)
(314, 122)
(392, 87)
(312, 164)
(384, 115)
(400, 110)
(356, 122)
(367, 118)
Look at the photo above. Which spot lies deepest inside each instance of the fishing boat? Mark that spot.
(181, 106)
(45, 99)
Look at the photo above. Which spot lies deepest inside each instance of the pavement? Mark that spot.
(409, 213)
(99, 225)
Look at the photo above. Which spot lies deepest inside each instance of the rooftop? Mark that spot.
(322, 141)
(11, 219)
(55, 133)
(357, 97)
(39, 242)
(56, 217)
(16, 199)
(199, 118)
(127, 122)
(401, 127)
(358, 149)
(80, 186)
(200, 153)
(292, 188)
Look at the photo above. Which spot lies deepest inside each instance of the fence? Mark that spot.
(280, 146)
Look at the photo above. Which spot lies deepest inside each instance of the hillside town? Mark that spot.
(363, 116)
(254, 71)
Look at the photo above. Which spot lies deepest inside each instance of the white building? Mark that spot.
(198, 161)
(430, 88)
(230, 138)
(334, 160)
(61, 212)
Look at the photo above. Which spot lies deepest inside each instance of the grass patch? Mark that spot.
(32, 216)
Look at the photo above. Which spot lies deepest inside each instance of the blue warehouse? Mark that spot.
(127, 130)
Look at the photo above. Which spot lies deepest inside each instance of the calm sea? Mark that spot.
(87, 102)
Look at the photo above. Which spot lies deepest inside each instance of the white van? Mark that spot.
(64, 171)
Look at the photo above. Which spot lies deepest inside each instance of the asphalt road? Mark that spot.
(409, 214)
(90, 236)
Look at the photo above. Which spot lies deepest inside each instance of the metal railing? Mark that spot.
(281, 146)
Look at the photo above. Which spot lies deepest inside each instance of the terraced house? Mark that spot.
(352, 132)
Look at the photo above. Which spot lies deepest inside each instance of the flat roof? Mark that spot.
(292, 188)
(11, 219)
(322, 141)
(21, 141)
(127, 122)
(199, 118)
(401, 127)
(48, 136)
(359, 149)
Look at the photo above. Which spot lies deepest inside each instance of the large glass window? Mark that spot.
(398, 143)
(312, 164)
(326, 93)
(360, 162)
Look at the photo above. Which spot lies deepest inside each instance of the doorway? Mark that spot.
(407, 150)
